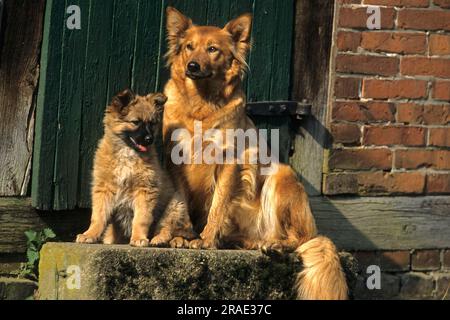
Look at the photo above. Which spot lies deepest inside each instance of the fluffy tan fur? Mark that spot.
(234, 205)
(133, 198)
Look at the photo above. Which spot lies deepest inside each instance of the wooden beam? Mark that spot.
(17, 216)
(386, 223)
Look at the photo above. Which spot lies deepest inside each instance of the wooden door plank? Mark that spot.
(122, 49)
(312, 44)
(221, 12)
(95, 91)
(145, 68)
(47, 106)
(19, 72)
(270, 63)
(69, 114)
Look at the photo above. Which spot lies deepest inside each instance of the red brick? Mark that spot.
(413, 113)
(351, 63)
(379, 183)
(348, 41)
(387, 136)
(399, 3)
(361, 159)
(439, 137)
(426, 260)
(346, 133)
(446, 259)
(442, 287)
(341, 183)
(349, 1)
(373, 111)
(421, 66)
(386, 89)
(416, 285)
(416, 159)
(366, 259)
(441, 90)
(374, 183)
(439, 44)
(395, 261)
(357, 17)
(438, 183)
(419, 19)
(442, 3)
(347, 87)
(397, 42)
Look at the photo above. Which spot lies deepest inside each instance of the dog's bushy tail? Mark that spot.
(322, 277)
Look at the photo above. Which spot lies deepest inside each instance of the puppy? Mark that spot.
(132, 197)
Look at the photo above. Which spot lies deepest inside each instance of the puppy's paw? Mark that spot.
(140, 243)
(159, 242)
(179, 243)
(81, 238)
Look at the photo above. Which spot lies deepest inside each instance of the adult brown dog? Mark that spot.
(234, 204)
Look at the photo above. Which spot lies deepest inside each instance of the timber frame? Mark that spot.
(384, 223)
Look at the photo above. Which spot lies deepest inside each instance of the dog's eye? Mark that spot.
(136, 122)
(212, 49)
(190, 47)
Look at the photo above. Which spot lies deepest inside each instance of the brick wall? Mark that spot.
(416, 274)
(390, 112)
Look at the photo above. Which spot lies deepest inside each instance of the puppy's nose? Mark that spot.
(148, 139)
(193, 67)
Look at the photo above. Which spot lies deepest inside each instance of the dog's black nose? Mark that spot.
(193, 67)
(148, 139)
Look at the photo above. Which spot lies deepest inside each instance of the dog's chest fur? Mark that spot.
(125, 170)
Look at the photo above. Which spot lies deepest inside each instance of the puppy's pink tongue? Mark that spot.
(142, 148)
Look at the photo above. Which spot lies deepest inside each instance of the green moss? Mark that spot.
(122, 272)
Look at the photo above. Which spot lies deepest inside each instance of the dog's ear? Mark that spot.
(176, 25)
(159, 100)
(122, 100)
(240, 30)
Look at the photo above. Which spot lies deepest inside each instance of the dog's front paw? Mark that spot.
(82, 238)
(159, 241)
(202, 244)
(272, 249)
(141, 243)
(179, 243)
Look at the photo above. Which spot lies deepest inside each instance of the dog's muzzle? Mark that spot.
(194, 71)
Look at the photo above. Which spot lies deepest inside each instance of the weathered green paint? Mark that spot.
(69, 113)
(122, 44)
(47, 106)
(95, 90)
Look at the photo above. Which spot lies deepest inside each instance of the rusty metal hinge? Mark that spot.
(297, 110)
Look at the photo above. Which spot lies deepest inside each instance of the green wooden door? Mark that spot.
(121, 44)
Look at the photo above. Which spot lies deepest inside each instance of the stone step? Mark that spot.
(16, 289)
(73, 271)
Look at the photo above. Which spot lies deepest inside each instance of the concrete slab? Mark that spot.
(73, 271)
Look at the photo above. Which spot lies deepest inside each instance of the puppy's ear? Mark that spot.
(240, 31)
(122, 100)
(176, 25)
(159, 99)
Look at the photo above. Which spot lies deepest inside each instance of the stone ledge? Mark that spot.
(122, 272)
(16, 289)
